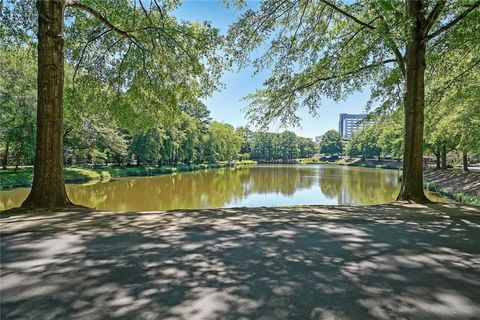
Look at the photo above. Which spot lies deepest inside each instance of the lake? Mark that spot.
(260, 185)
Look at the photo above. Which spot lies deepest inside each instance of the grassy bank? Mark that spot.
(461, 197)
(379, 164)
(463, 187)
(24, 176)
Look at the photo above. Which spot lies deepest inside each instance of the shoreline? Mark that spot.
(75, 175)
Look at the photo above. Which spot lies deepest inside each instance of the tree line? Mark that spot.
(94, 134)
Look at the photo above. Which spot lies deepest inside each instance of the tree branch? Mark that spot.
(396, 51)
(434, 14)
(82, 54)
(313, 82)
(104, 20)
(453, 22)
(445, 89)
(348, 15)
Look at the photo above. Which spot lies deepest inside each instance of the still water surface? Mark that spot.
(261, 185)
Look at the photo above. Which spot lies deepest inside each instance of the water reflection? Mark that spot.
(252, 186)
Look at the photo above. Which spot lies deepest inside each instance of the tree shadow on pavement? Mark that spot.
(378, 262)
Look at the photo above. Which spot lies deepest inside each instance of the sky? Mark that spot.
(227, 105)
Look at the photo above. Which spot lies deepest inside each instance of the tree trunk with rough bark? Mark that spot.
(437, 160)
(414, 103)
(48, 188)
(444, 157)
(465, 161)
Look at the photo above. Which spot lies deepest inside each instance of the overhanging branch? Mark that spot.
(434, 14)
(348, 15)
(317, 80)
(453, 22)
(82, 53)
(104, 20)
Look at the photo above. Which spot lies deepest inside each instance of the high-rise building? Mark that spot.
(318, 138)
(349, 123)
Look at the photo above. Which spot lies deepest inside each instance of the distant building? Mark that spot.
(349, 123)
(318, 138)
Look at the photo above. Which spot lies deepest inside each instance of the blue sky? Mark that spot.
(227, 105)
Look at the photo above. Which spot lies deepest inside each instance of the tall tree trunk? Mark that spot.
(414, 103)
(437, 160)
(48, 188)
(5, 156)
(444, 157)
(465, 161)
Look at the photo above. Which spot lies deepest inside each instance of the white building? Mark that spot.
(349, 123)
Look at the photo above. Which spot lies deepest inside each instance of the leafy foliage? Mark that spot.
(331, 142)
(331, 49)
(17, 104)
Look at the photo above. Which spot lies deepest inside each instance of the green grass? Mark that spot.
(461, 197)
(9, 179)
(317, 161)
(371, 165)
(245, 163)
(344, 162)
(24, 176)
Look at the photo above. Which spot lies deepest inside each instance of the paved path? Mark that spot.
(378, 262)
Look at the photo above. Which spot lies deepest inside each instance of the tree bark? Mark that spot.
(437, 160)
(5, 157)
(444, 157)
(465, 161)
(48, 188)
(414, 104)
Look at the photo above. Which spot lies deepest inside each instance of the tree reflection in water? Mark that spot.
(249, 186)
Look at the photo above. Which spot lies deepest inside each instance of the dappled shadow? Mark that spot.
(379, 262)
(455, 180)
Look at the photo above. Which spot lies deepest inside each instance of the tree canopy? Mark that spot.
(331, 142)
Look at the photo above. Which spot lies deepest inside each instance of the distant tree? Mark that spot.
(262, 146)
(222, 143)
(390, 136)
(306, 147)
(189, 129)
(198, 111)
(246, 135)
(149, 146)
(331, 143)
(364, 142)
(96, 140)
(287, 146)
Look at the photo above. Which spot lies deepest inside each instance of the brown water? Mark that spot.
(262, 185)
